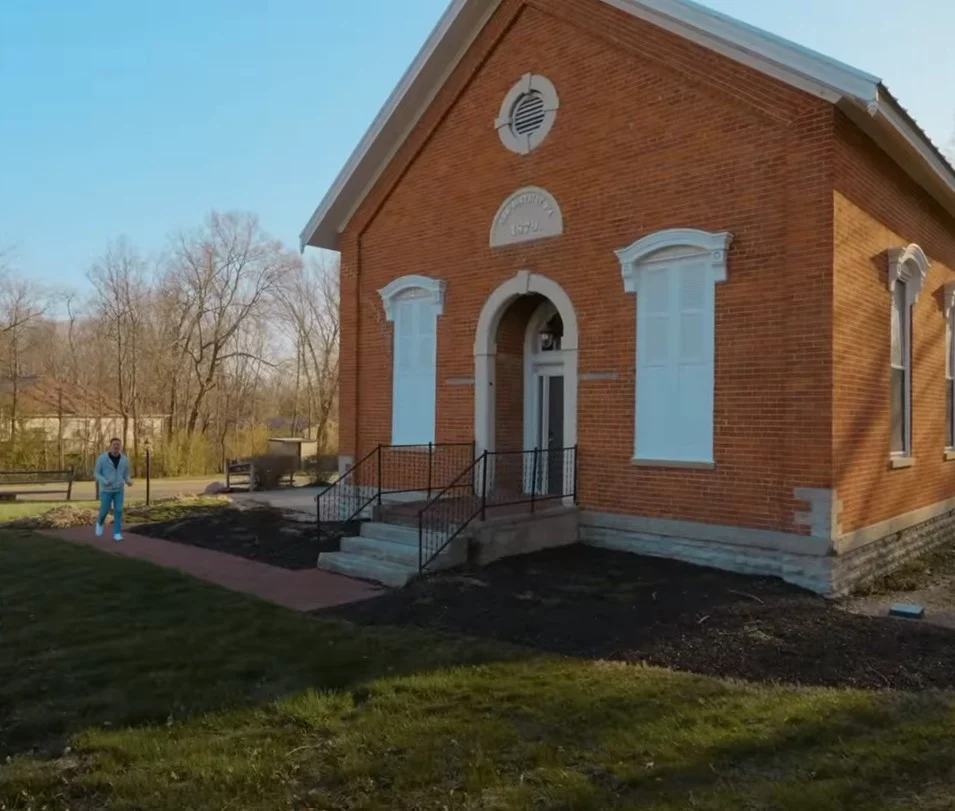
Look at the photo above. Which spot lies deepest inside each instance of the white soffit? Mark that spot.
(863, 97)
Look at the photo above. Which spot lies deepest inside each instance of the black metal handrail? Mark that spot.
(342, 499)
(388, 470)
(507, 479)
(464, 510)
(420, 468)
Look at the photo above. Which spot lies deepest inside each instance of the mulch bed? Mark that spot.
(259, 533)
(592, 603)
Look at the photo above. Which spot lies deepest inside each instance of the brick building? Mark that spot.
(718, 265)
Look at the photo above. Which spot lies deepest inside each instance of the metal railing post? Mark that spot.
(430, 465)
(474, 458)
(533, 478)
(575, 473)
(318, 521)
(379, 475)
(420, 541)
(484, 488)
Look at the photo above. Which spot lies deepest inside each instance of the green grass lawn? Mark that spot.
(124, 686)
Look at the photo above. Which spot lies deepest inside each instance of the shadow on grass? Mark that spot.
(539, 733)
(591, 603)
(88, 639)
(831, 750)
(176, 694)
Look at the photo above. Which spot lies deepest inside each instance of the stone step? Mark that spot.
(455, 554)
(396, 533)
(364, 567)
(383, 549)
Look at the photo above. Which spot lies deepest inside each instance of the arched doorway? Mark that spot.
(545, 383)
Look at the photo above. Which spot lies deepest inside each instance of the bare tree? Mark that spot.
(119, 281)
(21, 306)
(311, 306)
(228, 332)
(227, 271)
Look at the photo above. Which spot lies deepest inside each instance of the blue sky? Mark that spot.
(137, 118)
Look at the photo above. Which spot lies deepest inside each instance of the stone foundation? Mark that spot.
(513, 535)
(859, 563)
(800, 560)
(831, 568)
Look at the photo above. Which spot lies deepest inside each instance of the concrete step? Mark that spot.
(396, 533)
(405, 554)
(455, 554)
(364, 567)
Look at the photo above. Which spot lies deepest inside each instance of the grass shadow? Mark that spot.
(89, 639)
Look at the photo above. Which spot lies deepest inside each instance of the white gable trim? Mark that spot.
(862, 96)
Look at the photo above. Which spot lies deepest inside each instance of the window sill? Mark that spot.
(901, 462)
(671, 463)
(950, 455)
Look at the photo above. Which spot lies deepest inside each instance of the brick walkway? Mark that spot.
(307, 590)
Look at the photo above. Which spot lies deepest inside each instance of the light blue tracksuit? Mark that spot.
(112, 479)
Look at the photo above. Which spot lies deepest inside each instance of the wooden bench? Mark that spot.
(28, 483)
(237, 467)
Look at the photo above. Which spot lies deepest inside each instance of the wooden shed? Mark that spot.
(301, 449)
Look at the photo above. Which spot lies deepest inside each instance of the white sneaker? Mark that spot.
(99, 530)
(117, 537)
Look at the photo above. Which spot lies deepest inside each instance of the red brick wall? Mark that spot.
(653, 132)
(878, 207)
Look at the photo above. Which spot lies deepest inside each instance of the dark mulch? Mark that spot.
(259, 533)
(591, 603)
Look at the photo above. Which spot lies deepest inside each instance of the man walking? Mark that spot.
(112, 475)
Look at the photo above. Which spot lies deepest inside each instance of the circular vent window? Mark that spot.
(527, 114)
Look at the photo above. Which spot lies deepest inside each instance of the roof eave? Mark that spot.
(894, 131)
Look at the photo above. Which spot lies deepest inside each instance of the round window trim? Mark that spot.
(527, 114)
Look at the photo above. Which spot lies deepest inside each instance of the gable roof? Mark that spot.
(864, 98)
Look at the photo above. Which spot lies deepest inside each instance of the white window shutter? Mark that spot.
(675, 362)
(655, 353)
(426, 351)
(414, 370)
(693, 396)
(674, 274)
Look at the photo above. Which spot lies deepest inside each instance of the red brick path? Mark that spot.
(306, 590)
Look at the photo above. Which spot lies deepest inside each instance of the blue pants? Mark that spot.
(114, 501)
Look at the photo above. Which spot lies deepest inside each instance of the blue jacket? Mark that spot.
(111, 479)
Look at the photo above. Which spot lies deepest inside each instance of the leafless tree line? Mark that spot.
(225, 334)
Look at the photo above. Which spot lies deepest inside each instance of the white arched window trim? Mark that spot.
(908, 266)
(395, 289)
(673, 274)
(413, 304)
(948, 308)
